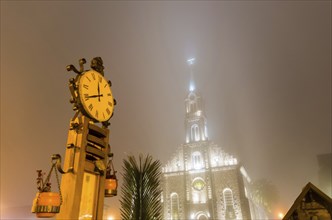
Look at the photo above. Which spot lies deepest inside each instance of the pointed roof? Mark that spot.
(311, 192)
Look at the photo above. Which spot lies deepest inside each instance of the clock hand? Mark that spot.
(94, 96)
(98, 93)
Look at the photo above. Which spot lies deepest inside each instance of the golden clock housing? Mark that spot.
(95, 96)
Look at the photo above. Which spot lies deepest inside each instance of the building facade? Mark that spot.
(201, 181)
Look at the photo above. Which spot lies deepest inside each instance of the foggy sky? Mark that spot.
(262, 68)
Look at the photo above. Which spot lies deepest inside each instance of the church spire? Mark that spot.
(195, 121)
(190, 62)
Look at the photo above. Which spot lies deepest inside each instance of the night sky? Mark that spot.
(263, 69)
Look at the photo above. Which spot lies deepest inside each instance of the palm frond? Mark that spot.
(141, 189)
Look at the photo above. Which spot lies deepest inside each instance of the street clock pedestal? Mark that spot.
(87, 149)
(86, 158)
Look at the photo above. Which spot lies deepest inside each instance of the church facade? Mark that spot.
(201, 181)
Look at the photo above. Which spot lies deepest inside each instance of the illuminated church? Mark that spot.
(201, 181)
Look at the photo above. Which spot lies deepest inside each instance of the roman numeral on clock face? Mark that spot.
(108, 111)
(85, 86)
(90, 107)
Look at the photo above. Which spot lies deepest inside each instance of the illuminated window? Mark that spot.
(198, 192)
(195, 135)
(229, 204)
(228, 196)
(195, 197)
(174, 206)
(197, 160)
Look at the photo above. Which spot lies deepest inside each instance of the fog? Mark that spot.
(262, 68)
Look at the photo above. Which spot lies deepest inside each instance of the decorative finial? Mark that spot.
(97, 65)
(71, 67)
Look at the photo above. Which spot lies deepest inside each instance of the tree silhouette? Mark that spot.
(141, 189)
(265, 194)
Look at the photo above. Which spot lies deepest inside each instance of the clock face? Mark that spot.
(96, 96)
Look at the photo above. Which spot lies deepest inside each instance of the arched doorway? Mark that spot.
(201, 216)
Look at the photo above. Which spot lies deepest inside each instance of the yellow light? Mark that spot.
(111, 185)
(280, 215)
(110, 218)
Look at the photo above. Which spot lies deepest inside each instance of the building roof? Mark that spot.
(312, 192)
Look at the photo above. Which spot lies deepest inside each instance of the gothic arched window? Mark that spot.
(197, 160)
(174, 206)
(195, 135)
(198, 190)
(229, 204)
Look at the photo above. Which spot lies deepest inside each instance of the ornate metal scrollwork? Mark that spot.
(57, 158)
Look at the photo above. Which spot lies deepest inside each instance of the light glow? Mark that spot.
(280, 215)
(191, 61)
(195, 198)
(191, 86)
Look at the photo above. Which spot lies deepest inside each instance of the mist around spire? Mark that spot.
(192, 86)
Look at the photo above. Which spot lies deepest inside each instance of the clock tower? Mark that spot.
(84, 181)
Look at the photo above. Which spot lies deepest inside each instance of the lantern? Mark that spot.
(111, 182)
(46, 203)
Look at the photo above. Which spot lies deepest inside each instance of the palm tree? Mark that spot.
(141, 189)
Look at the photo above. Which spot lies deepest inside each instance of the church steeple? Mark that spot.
(195, 121)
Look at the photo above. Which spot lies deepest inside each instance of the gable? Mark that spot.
(311, 204)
